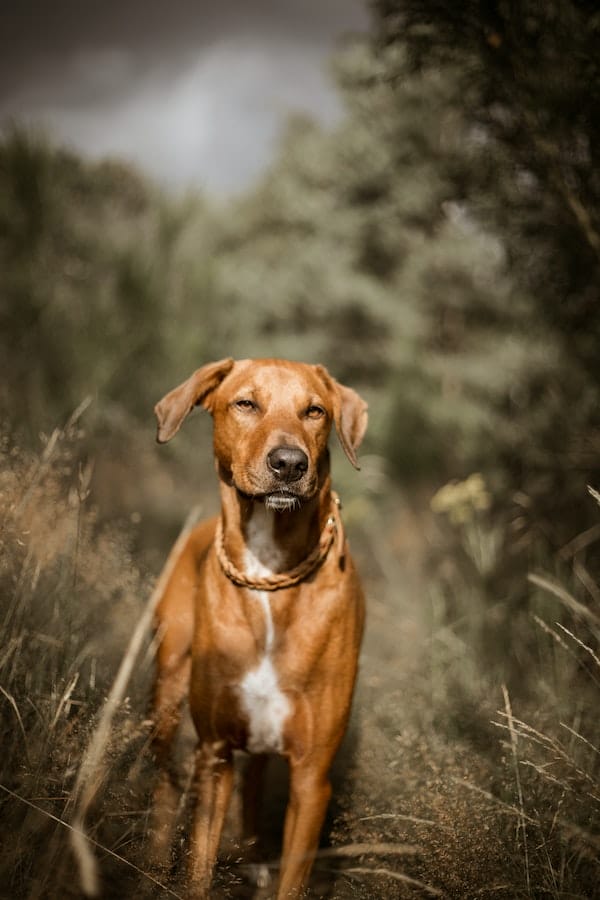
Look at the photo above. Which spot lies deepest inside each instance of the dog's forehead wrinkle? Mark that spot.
(276, 381)
(245, 390)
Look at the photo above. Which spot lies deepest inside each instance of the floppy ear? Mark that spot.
(349, 415)
(174, 407)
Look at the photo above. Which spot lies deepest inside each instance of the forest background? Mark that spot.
(439, 250)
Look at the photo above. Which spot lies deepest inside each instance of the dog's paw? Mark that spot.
(259, 875)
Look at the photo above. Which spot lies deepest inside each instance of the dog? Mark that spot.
(261, 620)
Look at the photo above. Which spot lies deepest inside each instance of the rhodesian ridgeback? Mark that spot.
(262, 617)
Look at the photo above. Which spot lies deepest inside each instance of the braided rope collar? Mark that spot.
(281, 580)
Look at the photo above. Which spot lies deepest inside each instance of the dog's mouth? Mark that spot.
(282, 501)
(279, 501)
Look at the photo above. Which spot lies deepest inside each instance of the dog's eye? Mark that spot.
(246, 405)
(315, 412)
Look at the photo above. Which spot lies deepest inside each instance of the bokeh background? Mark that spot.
(409, 193)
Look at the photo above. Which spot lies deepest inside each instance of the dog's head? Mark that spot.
(272, 420)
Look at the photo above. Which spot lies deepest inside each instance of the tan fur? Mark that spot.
(218, 639)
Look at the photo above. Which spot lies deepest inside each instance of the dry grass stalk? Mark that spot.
(404, 818)
(364, 849)
(548, 743)
(499, 804)
(555, 637)
(547, 776)
(594, 493)
(92, 770)
(579, 543)
(64, 700)
(580, 643)
(48, 453)
(522, 729)
(83, 491)
(580, 737)
(13, 703)
(578, 609)
(494, 889)
(586, 579)
(576, 831)
(80, 838)
(514, 748)
(396, 876)
(558, 639)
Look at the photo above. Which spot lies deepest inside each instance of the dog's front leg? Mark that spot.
(169, 691)
(174, 624)
(213, 781)
(310, 792)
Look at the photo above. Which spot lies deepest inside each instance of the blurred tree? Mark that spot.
(528, 81)
(359, 249)
(439, 249)
(99, 287)
(441, 246)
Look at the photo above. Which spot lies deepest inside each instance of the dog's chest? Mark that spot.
(264, 703)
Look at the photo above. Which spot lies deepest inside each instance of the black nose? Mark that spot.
(288, 463)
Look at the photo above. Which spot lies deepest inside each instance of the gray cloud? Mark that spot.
(194, 92)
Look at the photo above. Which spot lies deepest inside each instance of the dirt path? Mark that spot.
(404, 779)
(408, 805)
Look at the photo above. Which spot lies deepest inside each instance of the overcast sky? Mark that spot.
(195, 92)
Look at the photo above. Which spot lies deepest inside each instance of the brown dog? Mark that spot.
(267, 600)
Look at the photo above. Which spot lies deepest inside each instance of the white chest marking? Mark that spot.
(265, 705)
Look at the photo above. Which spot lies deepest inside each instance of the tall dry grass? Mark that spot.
(472, 765)
(530, 647)
(71, 595)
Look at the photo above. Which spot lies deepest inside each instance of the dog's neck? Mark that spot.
(262, 541)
